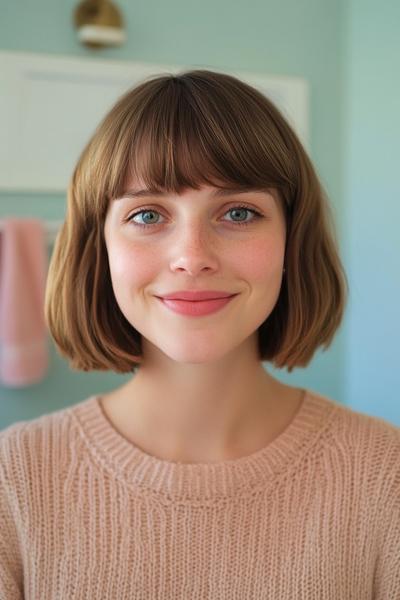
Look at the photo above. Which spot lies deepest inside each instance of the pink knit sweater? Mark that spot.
(84, 514)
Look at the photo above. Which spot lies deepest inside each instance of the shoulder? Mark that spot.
(361, 430)
(355, 427)
(31, 449)
(365, 447)
(21, 433)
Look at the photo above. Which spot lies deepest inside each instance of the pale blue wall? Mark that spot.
(285, 37)
(372, 195)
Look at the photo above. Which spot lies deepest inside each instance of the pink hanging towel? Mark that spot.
(23, 334)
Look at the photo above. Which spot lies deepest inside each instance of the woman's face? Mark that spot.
(196, 241)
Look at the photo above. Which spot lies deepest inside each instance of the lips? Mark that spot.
(197, 295)
(196, 308)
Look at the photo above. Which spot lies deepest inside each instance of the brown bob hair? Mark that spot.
(175, 132)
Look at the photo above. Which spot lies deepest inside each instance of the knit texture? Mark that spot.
(85, 514)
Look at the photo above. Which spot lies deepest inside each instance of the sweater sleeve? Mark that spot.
(387, 571)
(11, 577)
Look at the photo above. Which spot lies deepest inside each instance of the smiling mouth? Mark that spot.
(196, 308)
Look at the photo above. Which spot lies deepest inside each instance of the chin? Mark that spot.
(194, 354)
(193, 358)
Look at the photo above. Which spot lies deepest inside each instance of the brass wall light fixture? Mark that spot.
(99, 24)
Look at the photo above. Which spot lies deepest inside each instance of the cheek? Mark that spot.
(131, 266)
(262, 259)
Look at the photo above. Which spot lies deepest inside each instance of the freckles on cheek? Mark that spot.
(131, 265)
(261, 259)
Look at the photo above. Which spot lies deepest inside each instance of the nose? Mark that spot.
(193, 250)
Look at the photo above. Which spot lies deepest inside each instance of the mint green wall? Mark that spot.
(283, 37)
(372, 193)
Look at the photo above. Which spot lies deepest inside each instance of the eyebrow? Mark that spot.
(217, 193)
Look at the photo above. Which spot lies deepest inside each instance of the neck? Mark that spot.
(196, 413)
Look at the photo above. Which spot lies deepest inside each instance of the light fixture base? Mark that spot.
(100, 35)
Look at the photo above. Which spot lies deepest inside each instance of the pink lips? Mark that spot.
(194, 295)
(196, 308)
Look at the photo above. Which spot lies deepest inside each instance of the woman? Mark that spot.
(197, 245)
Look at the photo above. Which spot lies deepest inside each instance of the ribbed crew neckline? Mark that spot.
(197, 483)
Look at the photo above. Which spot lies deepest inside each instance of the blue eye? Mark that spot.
(143, 212)
(240, 209)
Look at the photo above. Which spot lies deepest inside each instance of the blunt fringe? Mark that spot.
(175, 132)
